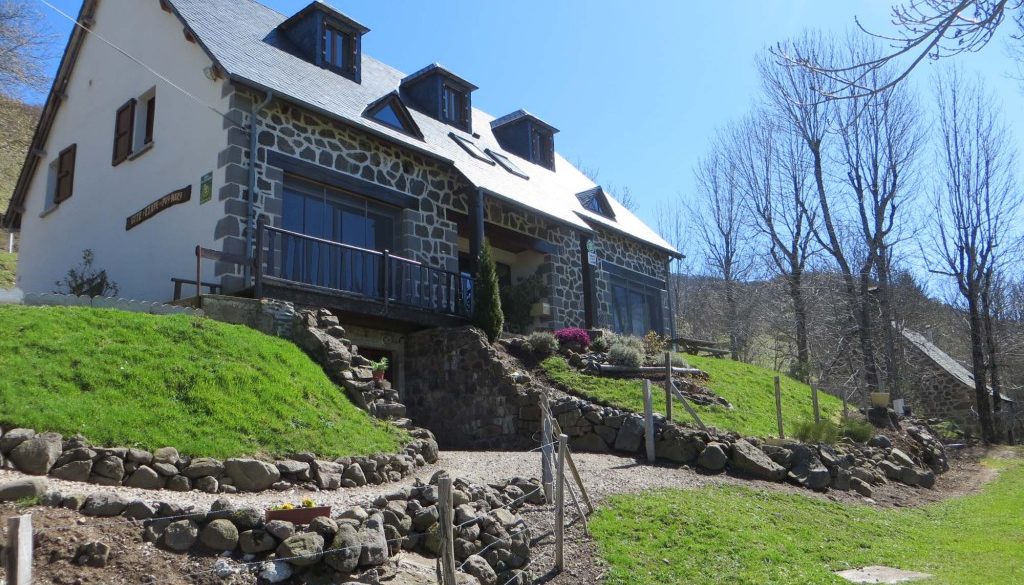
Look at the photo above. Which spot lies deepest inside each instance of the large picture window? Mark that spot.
(636, 308)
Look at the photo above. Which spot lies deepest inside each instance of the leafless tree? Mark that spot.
(773, 173)
(926, 29)
(23, 47)
(977, 206)
(623, 194)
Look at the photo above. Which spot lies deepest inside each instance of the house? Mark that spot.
(371, 193)
(940, 386)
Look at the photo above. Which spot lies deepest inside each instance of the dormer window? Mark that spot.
(391, 112)
(440, 94)
(595, 200)
(542, 147)
(453, 106)
(337, 51)
(328, 38)
(527, 136)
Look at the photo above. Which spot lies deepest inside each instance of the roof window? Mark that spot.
(470, 147)
(507, 164)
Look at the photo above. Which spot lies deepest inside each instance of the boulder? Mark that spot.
(880, 441)
(202, 467)
(92, 554)
(890, 469)
(841, 481)
(181, 535)
(425, 518)
(589, 443)
(327, 474)
(19, 489)
(256, 541)
(910, 476)
(302, 550)
(900, 458)
(478, 567)
(110, 467)
(36, 455)
(354, 473)
(343, 555)
(104, 504)
(164, 469)
(861, 487)
(292, 467)
(749, 459)
(275, 571)
(631, 435)
(251, 474)
(73, 471)
(168, 455)
(139, 510)
(207, 483)
(713, 457)
(140, 456)
(375, 546)
(13, 438)
(146, 478)
(280, 529)
(219, 535)
(324, 526)
(246, 518)
(179, 483)
(677, 449)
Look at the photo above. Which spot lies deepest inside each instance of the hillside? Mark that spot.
(8, 264)
(205, 387)
(750, 389)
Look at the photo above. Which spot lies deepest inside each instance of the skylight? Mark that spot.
(507, 164)
(470, 147)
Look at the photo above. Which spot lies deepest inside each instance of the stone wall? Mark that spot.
(626, 253)
(470, 397)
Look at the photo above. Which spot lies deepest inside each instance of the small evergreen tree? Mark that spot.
(487, 313)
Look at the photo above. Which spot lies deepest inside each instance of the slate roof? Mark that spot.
(944, 360)
(241, 36)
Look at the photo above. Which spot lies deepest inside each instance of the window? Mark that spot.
(636, 308)
(124, 123)
(62, 176)
(391, 112)
(596, 201)
(133, 126)
(453, 106)
(543, 148)
(144, 119)
(507, 164)
(337, 52)
(470, 147)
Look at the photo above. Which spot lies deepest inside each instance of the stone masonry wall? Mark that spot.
(934, 392)
(625, 253)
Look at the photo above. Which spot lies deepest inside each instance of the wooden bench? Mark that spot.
(699, 346)
(213, 287)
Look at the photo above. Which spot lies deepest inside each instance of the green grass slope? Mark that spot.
(205, 387)
(735, 535)
(8, 266)
(750, 389)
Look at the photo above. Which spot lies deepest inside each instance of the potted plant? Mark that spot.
(302, 514)
(379, 368)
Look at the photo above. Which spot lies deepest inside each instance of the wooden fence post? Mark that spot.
(648, 421)
(689, 409)
(563, 446)
(668, 385)
(447, 512)
(814, 403)
(19, 550)
(546, 449)
(778, 406)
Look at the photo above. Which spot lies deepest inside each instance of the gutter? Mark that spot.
(251, 214)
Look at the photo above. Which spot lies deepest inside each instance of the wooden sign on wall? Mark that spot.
(173, 198)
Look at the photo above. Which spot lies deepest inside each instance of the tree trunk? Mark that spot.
(975, 323)
(892, 358)
(867, 345)
(733, 316)
(803, 353)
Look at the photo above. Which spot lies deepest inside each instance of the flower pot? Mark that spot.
(299, 515)
(378, 376)
(880, 399)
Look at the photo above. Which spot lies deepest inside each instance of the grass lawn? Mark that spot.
(750, 389)
(205, 387)
(8, 264)
(737, 535)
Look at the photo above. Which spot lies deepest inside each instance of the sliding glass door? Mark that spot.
(636, 308)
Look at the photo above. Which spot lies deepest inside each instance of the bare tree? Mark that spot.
(774, 173)
(976, 203)
(623, 194)
(23, 47)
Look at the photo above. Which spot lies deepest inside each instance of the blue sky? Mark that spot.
(636, 88)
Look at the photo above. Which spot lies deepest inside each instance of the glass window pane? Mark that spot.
(388, 116)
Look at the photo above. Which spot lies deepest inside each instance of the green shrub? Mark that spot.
(679, 361)
(857, 429)
(654, 345)
(518, 299)
(807, 431)
(542, 343)
(626, 354)
(603, 342)
(487, 313)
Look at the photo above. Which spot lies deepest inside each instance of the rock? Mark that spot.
(399, 520)
(880, 441)
(146, 478)
(750, 459)
(75, 454)
(179, 483)
(841, 481)
(246, 518)
(140, 456)
(900, 458)
(139, 510)
(219, 535)
(375, 546)
(104, 504)
(251, 474)
(275, 571)
(354, 473)
(863, 474)
(51, 499)
(292, 467)
(164, 469)
(589, 442)
(13, 438)
(910, 476)
(817, 478)
(631, 435)
(73, 502)
(890, 469)
(324, 526)
(73, 471)
(207, 484)
(36, 455)
(677, 450)
(343, 555)
(327, 474)
(181, 535)
(19, 489)
(861, 487)
(425, 518)
(202, 467)
(303, 549)
(926, 478)
(110, 468)
(280, 529)
(92, 554)
(476, 566)
(713, 457)
(256, 541)
(168, 455)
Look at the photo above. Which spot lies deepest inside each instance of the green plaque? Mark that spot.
(206, 188)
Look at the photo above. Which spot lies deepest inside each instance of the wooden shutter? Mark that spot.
(124, 128)
(65, 174)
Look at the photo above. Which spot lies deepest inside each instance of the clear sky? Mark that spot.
(636, 88)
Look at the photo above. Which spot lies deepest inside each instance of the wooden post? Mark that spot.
(778, 406)
(579, 508)
(814, 403)
(444, 500)
(546, 450)
(668, 385)
(689, 409)
(563, 447)
(199, 274)
(19, 550)
(579, 481)
(648, 421)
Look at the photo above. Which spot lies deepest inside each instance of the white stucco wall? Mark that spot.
(187, 139)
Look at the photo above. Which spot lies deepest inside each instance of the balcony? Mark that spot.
(368, 283)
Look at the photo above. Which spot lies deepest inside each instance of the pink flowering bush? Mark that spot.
(573, 336)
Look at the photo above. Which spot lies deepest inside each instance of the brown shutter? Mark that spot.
(124, 127)
(65, 174)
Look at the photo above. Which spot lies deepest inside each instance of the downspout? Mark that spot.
(671, 303)
(250, 226)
